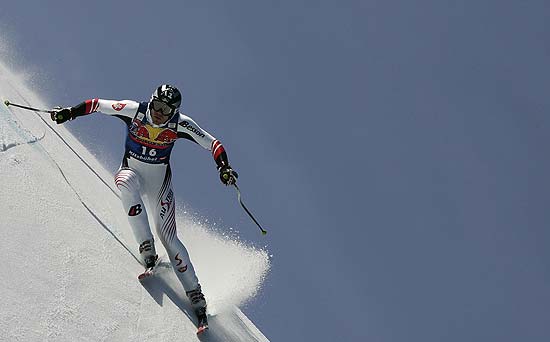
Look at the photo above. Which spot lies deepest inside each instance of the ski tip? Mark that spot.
(202, 329)
(145, 275)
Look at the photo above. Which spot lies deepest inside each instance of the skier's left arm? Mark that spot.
(189, 129)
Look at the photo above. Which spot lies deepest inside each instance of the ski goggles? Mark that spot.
(161, 107)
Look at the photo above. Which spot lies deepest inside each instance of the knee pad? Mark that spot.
(127, 180)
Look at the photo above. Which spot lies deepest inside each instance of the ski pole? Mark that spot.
(8, 103)
(247, 211)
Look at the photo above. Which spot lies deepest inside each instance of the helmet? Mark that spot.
(167, 94)
(166, 99)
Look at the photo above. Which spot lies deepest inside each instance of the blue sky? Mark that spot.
(396, 150)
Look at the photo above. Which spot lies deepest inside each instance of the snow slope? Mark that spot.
(66, 277)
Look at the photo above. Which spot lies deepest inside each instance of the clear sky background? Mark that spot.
(395, 150)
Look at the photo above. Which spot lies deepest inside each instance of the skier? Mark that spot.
(144, 177)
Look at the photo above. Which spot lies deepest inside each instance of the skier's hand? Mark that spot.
(60, 115)
(227, 175)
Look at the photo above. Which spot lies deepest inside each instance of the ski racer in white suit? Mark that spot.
(144, 178)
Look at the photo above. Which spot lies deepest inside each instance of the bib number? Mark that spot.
(152, 152)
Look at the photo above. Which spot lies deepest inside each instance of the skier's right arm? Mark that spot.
(125, 108)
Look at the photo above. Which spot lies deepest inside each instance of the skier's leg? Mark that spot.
(165, 224)
(129, 184)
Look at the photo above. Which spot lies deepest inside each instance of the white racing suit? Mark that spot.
(144, 178)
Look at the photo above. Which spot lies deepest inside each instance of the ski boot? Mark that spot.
(199, 305)
(150, 258)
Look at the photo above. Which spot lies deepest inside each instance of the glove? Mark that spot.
(227, 175)
(60, 115)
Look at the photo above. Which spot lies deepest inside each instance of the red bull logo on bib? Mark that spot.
(152, 136)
